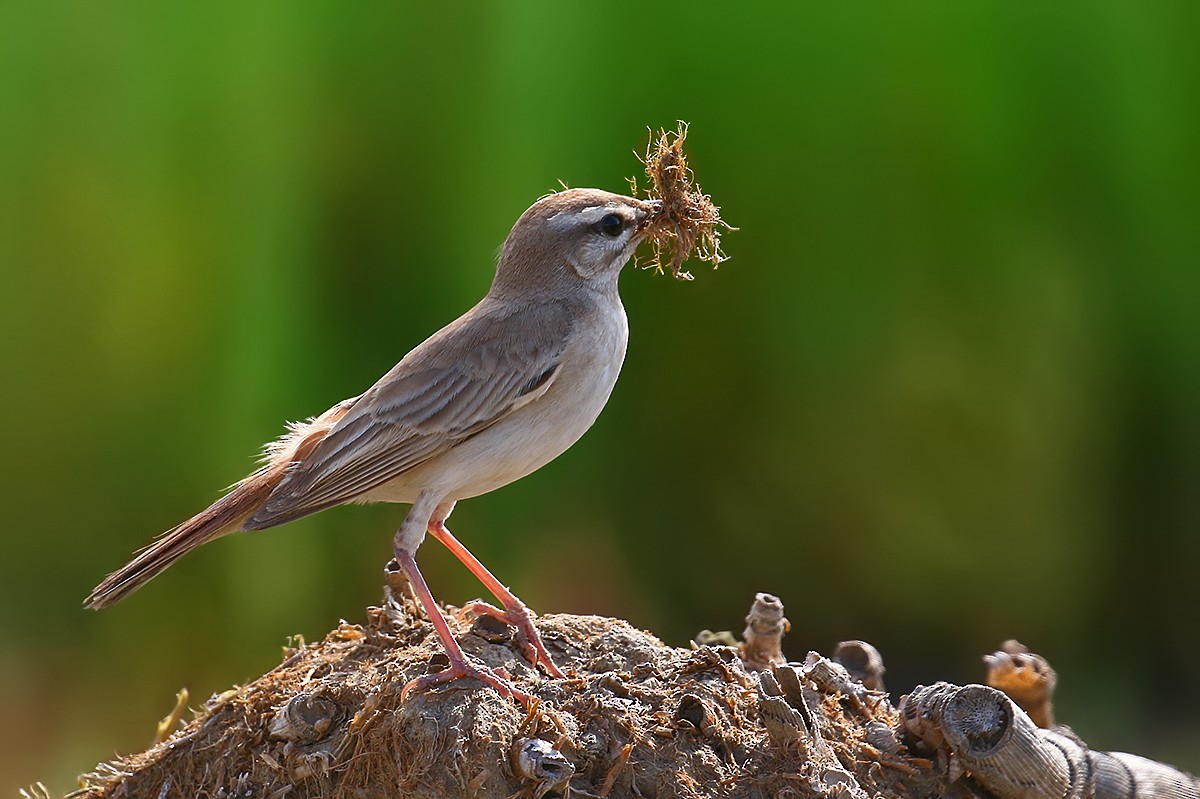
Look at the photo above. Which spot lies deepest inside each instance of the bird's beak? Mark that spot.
(649, 215)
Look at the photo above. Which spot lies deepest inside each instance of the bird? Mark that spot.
(491, 397)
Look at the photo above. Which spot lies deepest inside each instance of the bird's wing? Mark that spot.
(464, 379)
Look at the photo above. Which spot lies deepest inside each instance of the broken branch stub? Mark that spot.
(980, 731)
(765, 628)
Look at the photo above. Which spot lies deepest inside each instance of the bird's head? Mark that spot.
(575, 235)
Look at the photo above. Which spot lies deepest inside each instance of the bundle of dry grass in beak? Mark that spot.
(688, 223)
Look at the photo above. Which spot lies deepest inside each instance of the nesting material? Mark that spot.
(689, 223)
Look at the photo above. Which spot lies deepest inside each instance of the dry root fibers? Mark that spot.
(689, 222)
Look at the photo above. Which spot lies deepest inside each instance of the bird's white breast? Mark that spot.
(538, 432)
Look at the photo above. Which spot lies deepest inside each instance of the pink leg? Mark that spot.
(514, 613)
(459, 667)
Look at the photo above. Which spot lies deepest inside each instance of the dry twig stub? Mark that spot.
(689, 222)
(765, 627)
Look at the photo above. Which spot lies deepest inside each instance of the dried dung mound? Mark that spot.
(634, 718)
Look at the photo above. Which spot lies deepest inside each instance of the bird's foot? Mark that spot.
(461, 669)
(528, 638)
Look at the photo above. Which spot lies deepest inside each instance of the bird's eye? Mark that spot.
(610, 225)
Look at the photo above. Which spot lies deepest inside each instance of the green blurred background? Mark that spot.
(946, 391)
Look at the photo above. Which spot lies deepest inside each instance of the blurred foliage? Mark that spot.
(945, 392)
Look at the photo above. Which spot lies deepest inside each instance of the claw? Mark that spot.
(460, 669)
(527, 635)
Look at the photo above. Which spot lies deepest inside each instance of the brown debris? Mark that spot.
(540, 763)
(863, 661)
(172, 719)
(689, 221)
(633, 718)
(1026, 677)
(765, 628)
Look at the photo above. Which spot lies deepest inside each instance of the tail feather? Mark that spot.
(224, 516)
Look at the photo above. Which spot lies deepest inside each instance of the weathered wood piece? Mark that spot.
(979, 731)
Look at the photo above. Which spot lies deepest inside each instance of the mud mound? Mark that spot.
(634, 717)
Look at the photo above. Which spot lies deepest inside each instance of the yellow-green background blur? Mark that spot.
(945, 391)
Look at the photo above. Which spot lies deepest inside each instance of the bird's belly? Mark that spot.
(531, 436)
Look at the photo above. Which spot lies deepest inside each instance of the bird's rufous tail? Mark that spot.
(224, 516)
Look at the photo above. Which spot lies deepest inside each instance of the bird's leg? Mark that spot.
(514, 612)
(459, 667)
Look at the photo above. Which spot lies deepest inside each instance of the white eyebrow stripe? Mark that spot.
(588, 214)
